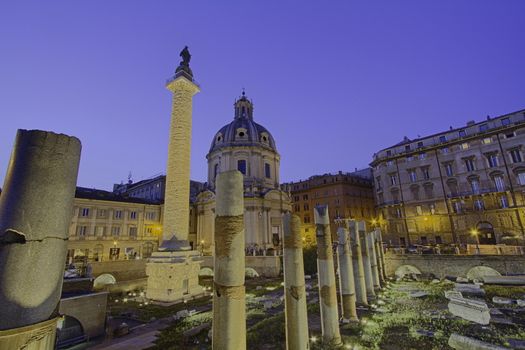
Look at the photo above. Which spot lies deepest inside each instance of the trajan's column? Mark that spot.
(173, 271)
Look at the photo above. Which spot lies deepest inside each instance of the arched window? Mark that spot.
(241, 166)
(267, 170)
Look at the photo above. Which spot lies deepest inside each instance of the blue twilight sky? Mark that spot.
(334, 81)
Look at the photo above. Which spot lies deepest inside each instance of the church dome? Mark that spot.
(243, 131)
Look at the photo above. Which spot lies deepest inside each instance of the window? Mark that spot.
(493, 160)
(479, 205)
(499, 183)
(393, 179)
(150, 215)
(412, 175)
(504, 202)
(215, 170)
(398, 213)
(241, 166)
(420, 144)
(458, 207)
(448, 169)
(462, 133)
(515, 155)
(388, 153)
(483, 127)
(474, 185)
(101, 213)
(419, 210)
(443, 138)
(407, 148)
(464, 146)
(445, 150)
(505, 121)
(133, 215)
(306, 219)
(389, 162)
(410, 158)
(422, 156)
(306, 206)
(267, 172)
(133, 231)
(510, 135)
(115, 230)
(81, 231)
(439, 240)
(432, 208)
(378, 183)
(487, 140)
(85, 212)
(521, 178)
(426, 173)
(149, 229)
(118, 214)
(469, 163)
(305, 197)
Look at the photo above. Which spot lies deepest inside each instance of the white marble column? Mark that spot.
(346, 276)
(295, 294)
(325, 270)
(229, 309)
(357, 263)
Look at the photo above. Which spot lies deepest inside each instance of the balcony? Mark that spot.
(479, 192)
(394, 202)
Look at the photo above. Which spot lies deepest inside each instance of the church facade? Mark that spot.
(246, 146)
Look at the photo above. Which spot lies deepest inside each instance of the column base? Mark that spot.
(39, 336)
(173, 276)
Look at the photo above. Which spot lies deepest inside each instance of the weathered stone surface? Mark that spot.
(453, 294)
(40, 336)
(357, 264)
(475, 311)
(461, 342)
(176, 209)
(505, 280)
(501, 300)
(346, 275)
(295, 293)
(327, 288)
(229, 306)
(35, 212)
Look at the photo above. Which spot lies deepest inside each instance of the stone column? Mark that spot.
(357, 262)
(373, 259)
(229, 314)
(325, 270)
(369, 282)
(346, 276)
(295, 296)
(177, 193)
(381, 252)
(36, 207)
(380, 266)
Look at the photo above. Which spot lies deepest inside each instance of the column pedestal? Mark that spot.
(39, 336)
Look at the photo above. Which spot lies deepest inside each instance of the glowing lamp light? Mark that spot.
(313, 339)
(125, 300)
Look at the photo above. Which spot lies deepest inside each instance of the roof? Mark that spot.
(93, 193)
(243, 131)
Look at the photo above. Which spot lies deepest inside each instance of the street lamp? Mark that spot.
(202, 247)
(475, 233)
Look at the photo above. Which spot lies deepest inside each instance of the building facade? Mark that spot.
(348, 195)
(106, 226)
(457, 186)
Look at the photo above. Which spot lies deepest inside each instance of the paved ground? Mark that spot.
(141, 337)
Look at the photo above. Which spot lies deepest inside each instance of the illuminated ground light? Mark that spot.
(313, 339)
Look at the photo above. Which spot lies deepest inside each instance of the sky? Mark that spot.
(333, 81)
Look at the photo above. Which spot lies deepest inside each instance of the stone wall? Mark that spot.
(455, 265)
(89, 309)
(122, 270)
